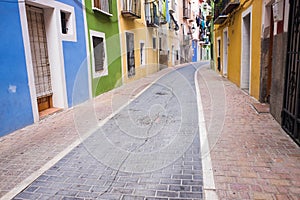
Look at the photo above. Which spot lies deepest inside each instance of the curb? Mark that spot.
(209, 188)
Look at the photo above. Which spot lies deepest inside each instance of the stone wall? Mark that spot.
(278, 73)
(264, 70)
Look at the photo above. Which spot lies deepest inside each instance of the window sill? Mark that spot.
(101, 73)
(102, 11)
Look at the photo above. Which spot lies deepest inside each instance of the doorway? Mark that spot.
(270, 55)
(130, 54)
(142, 53)
(225, 52)
(40, 59)
(219, 54)
(246, 52)
(291, 99)
(173, 55)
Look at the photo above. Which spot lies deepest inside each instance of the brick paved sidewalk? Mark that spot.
(252, 157)
(25, 151)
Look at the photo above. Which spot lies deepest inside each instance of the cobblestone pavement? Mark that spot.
(148, 150)
(252, 157)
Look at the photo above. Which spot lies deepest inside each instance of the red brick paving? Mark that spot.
(253, 157)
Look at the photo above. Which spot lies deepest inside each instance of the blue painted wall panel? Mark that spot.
(195, 51)
(76, 70)
(15, 104)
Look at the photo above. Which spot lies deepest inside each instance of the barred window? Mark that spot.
(99, 54)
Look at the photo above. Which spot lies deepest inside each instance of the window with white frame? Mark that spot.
(67, 23)
(103, 6)
(99, 54)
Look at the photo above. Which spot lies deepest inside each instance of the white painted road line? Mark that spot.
(209, 188)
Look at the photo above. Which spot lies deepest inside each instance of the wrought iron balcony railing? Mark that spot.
(186, 9)
(152, 14)
(223, 8)
(103, 6)
(131, 8)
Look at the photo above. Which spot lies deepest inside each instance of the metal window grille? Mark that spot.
(291, 105)
(99, 53)
(39, 51)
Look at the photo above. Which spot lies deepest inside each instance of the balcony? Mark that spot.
(230, 5)
(152, 14)
(131, 9)
(103, 6)
(223, 8)
(186, 9)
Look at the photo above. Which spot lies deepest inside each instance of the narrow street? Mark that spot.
(141, 141)
(149, 149)
(150, 100)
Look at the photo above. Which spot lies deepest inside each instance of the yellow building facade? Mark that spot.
(139, 42)
(238, 42)
(149, 36)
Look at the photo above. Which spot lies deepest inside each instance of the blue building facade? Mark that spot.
(15, 109)
(43, 60)
(195, 50)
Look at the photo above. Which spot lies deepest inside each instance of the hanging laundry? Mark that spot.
(164, 10)
(167, 12)
(203, 24)
(198, 21)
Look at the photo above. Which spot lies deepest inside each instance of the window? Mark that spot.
(160, 44)
(99, 56)
(104, 6)
(142, 51)
(154, 43)
(130, 54)
(64, 28)
(67, 23)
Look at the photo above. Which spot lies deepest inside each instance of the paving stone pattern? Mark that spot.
(136, 160)
(252, 157)
(79, 175)
(28, 149)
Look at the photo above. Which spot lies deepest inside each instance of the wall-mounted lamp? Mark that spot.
(193, 29)
(278, 10)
